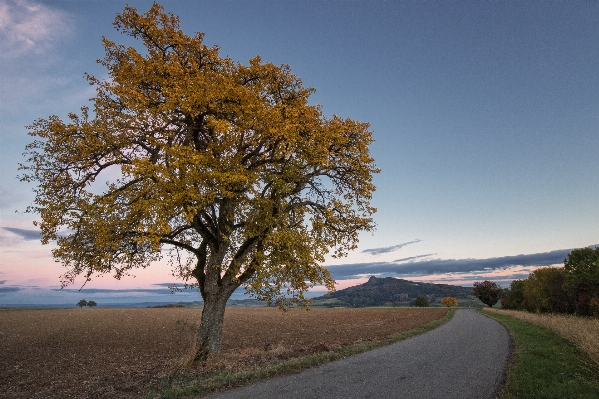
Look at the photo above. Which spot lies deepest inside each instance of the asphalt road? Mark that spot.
(464, 358)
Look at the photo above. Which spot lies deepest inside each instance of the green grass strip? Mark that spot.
(180, 387)
(544, 365)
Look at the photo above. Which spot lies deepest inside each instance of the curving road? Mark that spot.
(464, 358)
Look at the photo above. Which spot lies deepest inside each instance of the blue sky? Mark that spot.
(485, 116)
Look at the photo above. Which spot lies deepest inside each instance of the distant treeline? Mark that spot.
(573, 288)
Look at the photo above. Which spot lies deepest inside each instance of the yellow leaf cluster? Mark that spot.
(449, 301)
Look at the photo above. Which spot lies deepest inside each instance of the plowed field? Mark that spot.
(116, 353)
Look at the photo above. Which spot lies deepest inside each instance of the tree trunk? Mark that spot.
(209, 339)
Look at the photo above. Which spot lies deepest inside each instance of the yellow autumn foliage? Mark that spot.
(449, 301)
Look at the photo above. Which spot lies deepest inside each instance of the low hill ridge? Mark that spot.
(389, 291)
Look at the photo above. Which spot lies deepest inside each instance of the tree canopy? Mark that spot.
(449, 301)
(82, 303)
(225, 164)
(488, 292)
(582, 279)
(421, 301)
(573, 288)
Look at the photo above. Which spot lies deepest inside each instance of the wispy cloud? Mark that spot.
(26, 234)
(413, 258)
(153, 291)
(457, 278)
(443, 266)
(30, 28)
(178, 285)
(384, 250)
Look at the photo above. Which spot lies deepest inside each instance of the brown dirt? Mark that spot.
(116, 353)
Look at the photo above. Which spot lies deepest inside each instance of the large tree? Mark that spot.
(226, 165)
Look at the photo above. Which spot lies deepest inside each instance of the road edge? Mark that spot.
(510, 358)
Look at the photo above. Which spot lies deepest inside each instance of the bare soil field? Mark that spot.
(116, 353)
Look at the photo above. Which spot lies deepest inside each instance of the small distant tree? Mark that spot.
(449, 301)
(82, 303)
(91, 304)
(421, 302)
(488, 292)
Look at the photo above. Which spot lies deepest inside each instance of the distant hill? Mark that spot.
(391, 291)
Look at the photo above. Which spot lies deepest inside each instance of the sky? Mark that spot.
(485, 117)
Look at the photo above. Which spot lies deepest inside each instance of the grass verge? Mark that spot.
(185, 386)
(546, 365)
(581, 331)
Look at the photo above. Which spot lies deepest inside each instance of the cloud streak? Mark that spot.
(26, 234)
(153, 291)
(413, 258)
(443, 266)
(4, 290)
(384, 250)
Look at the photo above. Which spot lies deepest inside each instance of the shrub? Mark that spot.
(421, 302)
(91, 304)
(449, 301)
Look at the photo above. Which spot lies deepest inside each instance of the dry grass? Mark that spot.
(582, 331)
(116, 353)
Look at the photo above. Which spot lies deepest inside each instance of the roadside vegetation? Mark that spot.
(581, 331)
(572, 289)
(544, 363)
